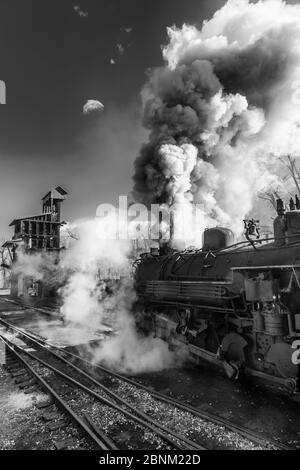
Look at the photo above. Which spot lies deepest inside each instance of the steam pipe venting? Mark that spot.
(165, 246)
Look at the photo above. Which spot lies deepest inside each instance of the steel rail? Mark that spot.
(138, 416)
(107, 440)
(58, 400)
(242, 430)
(234, 427)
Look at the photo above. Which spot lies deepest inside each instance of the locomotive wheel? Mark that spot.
(280, 354)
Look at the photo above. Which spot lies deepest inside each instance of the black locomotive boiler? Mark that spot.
(234, 305)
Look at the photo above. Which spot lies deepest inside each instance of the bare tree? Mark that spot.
(271, 197)
(293, 170)
(289, 163)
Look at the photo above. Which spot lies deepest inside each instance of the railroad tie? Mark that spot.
(30, 390)
(19, 372)
(27, 383)
(14, 370)
(23, 378)
(13, 365)
(10, 358)
(63, 392)
(65, 444)
(50, 416)
(45, 404)
(57, 425)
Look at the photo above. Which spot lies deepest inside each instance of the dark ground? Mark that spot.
(271, 412)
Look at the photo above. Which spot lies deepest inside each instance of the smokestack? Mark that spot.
(171, 227)
(162, 245)
(165, 245)
(160, 233)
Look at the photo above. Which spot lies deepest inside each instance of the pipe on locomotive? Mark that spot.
(164, 247)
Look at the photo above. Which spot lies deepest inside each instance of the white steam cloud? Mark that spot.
(90, 261)
(224, 105)
(80, 12)
(91, 301)
(90, 258)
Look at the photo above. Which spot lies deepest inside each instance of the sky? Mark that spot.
(56, 55)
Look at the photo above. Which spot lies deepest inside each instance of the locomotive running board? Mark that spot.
(289, 384)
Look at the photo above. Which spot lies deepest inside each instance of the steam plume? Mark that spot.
(90, 261)
(222, 110)
(90, 300)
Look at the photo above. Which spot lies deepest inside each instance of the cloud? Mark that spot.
(81, 13)
(126, 30)
(120, 48)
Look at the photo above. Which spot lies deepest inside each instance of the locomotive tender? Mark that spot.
(234, 305)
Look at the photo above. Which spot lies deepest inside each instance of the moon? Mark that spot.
(93, 108)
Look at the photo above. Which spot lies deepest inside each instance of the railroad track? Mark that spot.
(257, 438)
(27, 376)
(211, 420)
(40, 308)
(87, 393)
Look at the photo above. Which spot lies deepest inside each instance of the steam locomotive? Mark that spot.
(234, 305)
